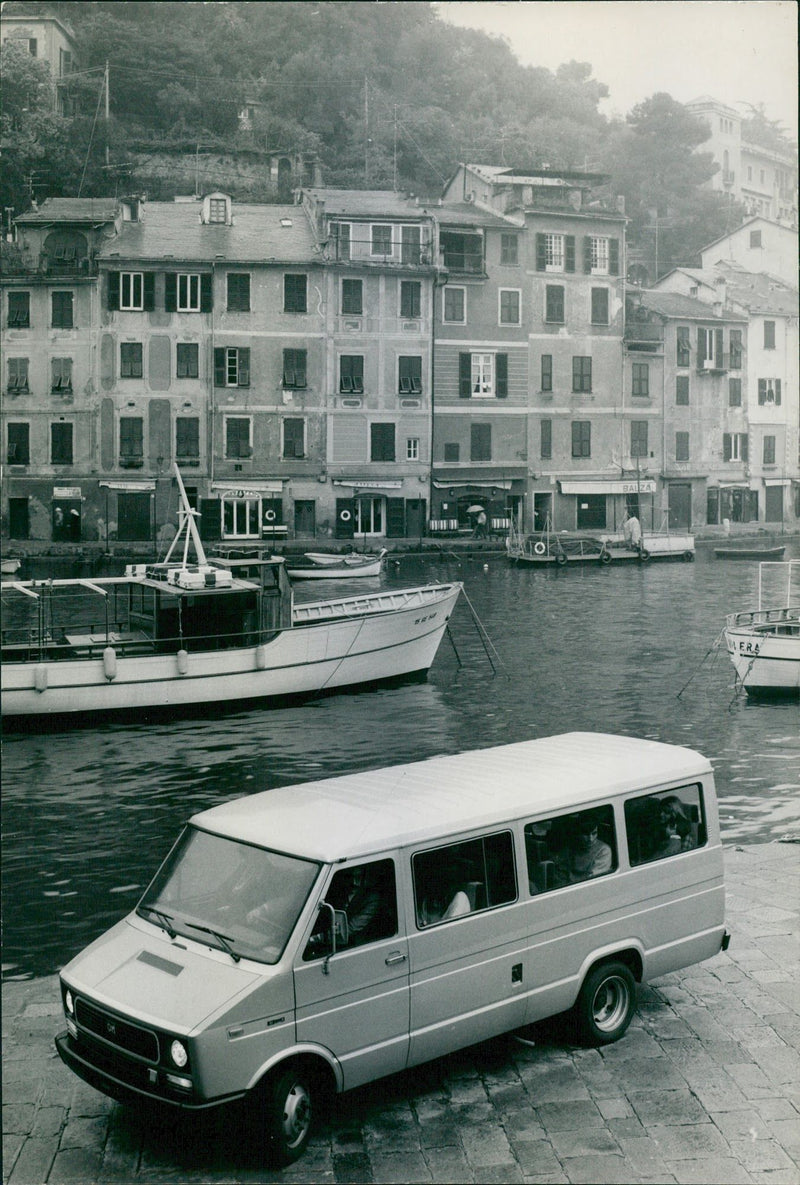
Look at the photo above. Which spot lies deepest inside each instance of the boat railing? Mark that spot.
(765, 618)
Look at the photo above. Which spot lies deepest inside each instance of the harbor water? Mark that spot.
(89, 811)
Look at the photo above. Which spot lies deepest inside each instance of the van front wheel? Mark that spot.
(606, 1004)
(288, 1111)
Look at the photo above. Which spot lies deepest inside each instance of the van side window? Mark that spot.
(464, 878)
(367, 895)
(570, 848)
(666, 824)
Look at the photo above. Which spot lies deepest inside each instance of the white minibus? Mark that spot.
(315, 937)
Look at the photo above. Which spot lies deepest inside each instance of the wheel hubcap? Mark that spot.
(610, 1004)
(296, 1114)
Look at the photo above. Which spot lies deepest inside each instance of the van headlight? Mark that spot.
(177, 1051)
(69, 1002)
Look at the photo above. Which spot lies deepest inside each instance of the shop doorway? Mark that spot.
(680, 506)
(133, 517)
(773, 504)
(305, 518)
(66, 521)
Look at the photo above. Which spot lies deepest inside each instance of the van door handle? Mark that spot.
(396, 956)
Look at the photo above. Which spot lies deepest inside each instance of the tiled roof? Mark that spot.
(71, 210)
(468, 214)
(383, 203)
(675, 304)
(759, 291)
(279, 234)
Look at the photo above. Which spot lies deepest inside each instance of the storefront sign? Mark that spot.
(368, 485)
(129, 487)
(253, 489)
(642, 486)
(66, 491)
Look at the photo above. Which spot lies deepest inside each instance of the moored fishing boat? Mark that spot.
(176, 634)
(559, 548)
(764, 643)
(323, 566)
(743, 552)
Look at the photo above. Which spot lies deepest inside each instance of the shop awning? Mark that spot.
(642, 486)
(250, 489)
(472, 485)
(362, 484)
(130, 487)
(777, 481)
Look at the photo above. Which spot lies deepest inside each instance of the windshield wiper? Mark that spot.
(223, 941)
(164, 918)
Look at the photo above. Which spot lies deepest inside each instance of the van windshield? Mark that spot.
(243, 899)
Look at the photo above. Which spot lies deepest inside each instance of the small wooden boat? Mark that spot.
(178, 634)
(749, 553)
(764, 643)
(324, 566)
(549, 547)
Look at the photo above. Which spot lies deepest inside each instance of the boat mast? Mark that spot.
(189, 526)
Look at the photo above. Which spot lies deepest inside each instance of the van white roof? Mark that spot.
(357, 814)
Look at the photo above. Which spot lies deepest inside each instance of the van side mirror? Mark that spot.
(337, 932)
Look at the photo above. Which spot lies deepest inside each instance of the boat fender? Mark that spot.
(261, 658)
(183, 661)
(345, 516)
(688, 556)
(644, 556)
(605, 557)
(110, 663)
(539, 548)
(561, 558)
(40, 678)
(269, 516)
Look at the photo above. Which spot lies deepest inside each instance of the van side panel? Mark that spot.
(464, 986)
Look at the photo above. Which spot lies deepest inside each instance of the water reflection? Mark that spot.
(89, 813)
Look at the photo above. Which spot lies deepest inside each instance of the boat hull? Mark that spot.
(334, 571)
(560, 550)
(765, 651)
(331, 646)
(749, 553)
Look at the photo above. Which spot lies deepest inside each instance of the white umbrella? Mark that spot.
(474, 509)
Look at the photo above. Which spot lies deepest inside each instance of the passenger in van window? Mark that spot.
(354, 892)
(586, 855)
(443, 902)
(676, 828)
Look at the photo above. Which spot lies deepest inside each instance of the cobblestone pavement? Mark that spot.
(705, 1087)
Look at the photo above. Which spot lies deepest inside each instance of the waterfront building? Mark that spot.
(47, 38)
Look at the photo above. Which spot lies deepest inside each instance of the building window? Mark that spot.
(734, 392)
(294, 369)
(682, 390)
(755, 235)
(410, 375)
(187, 360)
(705, 346)
(554, 253)
(238, 438)
(60, 375)
(509, 250)
(131, 291)
(736, 349)
(684, 349)
(411, 299)
(462, 252)
(734, 446)
(598, 259)
(187, 438)
(295, 298)
(131, 441)
(769, 335)
(238, 292)
(382, 442)
(480, 442)
(554, 304)
(547, 372)
(582, 374)
(294, 433)
(546, 440)
(131, 364)
(61, 444)
(412, 448)
(483, 375)
(639, 438)
(641, 380)
(351, 374)
(19, 447)
(231, 366)
(241, 517)
(17, 375)
(352, 302)
(341, 237)
(581, 438)
(769, 450)
(451, 452)
(455, 305)
(19, 310)
(381, 243)
(769, 391)
(410, 245)
(599, 306)
(681, 446)
(510, 306)
(188, 298)
(218, 210)
(62, 310)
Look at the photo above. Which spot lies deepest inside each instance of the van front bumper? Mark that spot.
(128, 1081)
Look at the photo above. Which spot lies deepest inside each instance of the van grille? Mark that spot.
(133, 1039)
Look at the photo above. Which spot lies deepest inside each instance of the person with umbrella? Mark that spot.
(480, 522)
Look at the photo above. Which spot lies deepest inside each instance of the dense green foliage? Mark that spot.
(384, 95)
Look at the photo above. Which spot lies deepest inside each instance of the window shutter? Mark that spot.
(541, 257)
(587, 253)
(206, 296)
(501, 377)
(569, 253)
(170, 292)
(718, 348)
(210, 524)
(613, 256)
(745, 446)
(244, 367)
(726, 446)
(395, 518)
(777, 391)
(762, 390)
(113, 290)
(464, 376)
(219, 366)
(148, 291)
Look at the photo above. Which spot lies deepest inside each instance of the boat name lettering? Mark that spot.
(420, 620)
(749, 647)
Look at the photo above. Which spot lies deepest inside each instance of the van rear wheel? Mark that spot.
(606, 1003)
(288, 1104)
